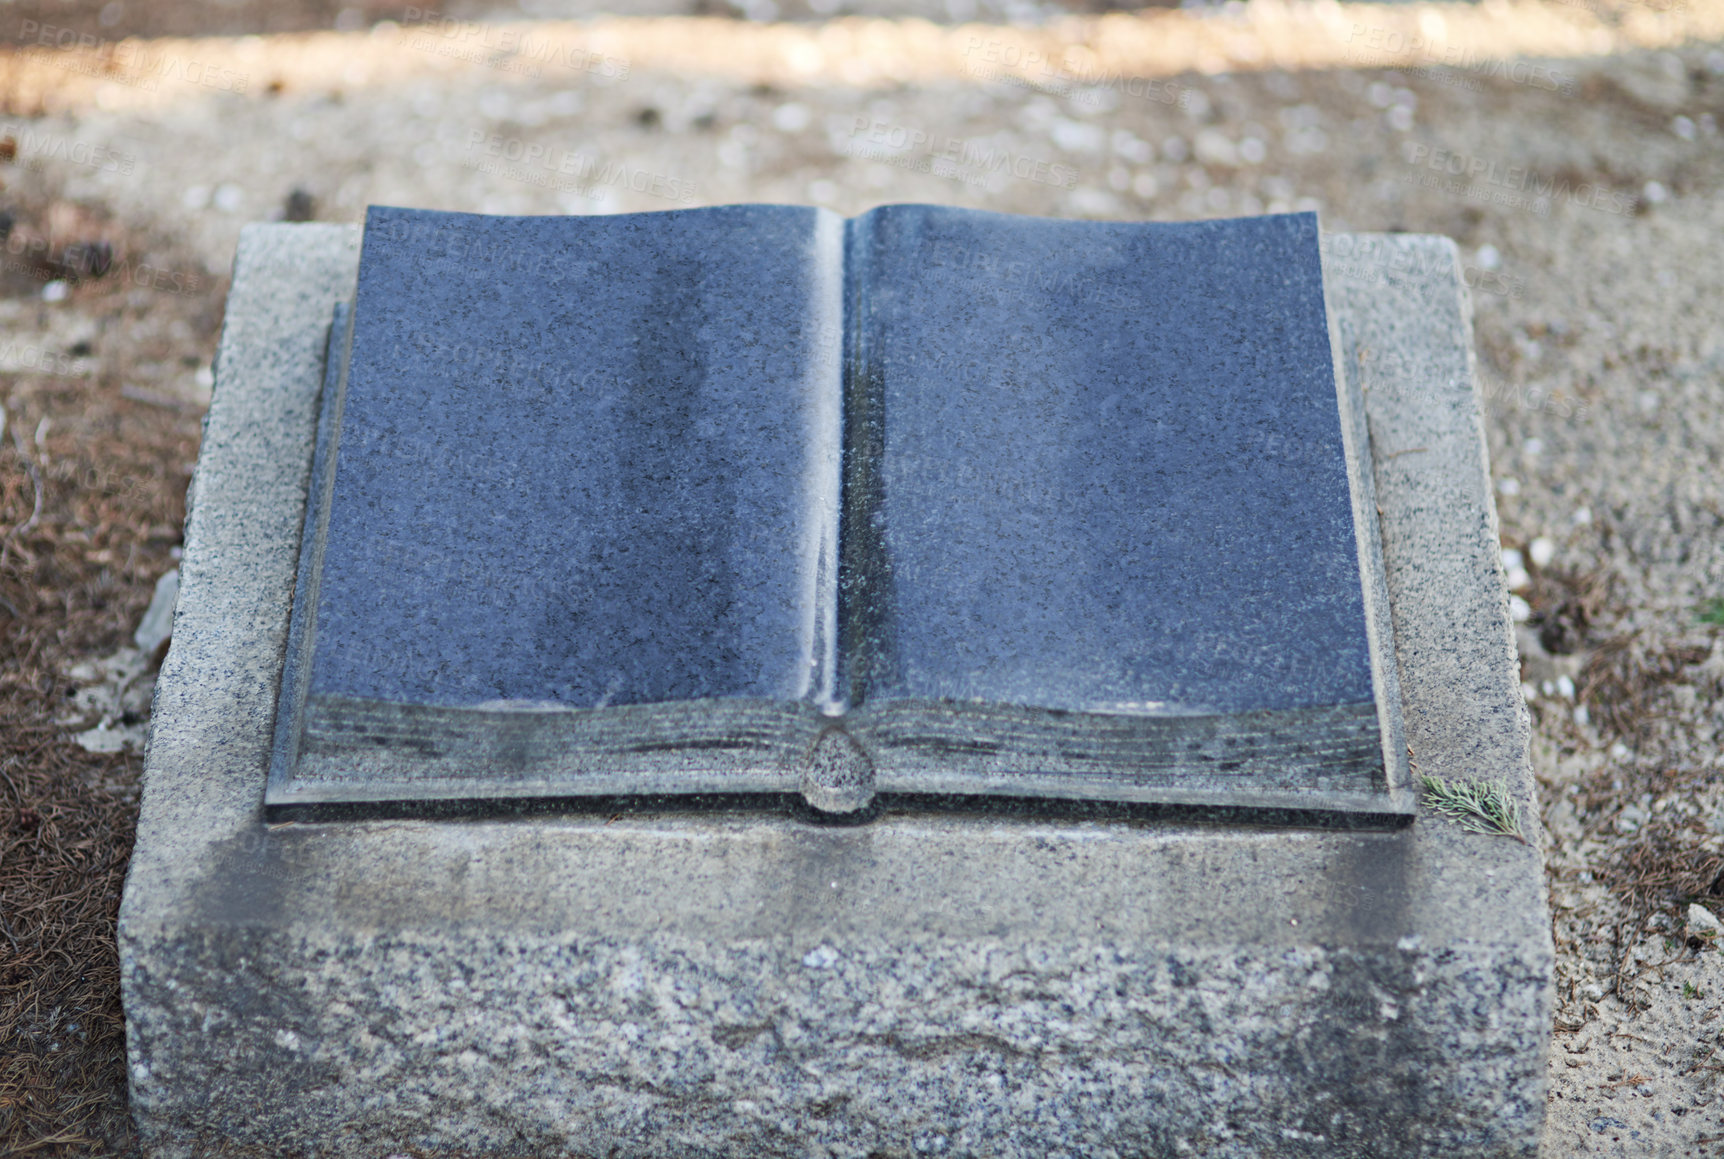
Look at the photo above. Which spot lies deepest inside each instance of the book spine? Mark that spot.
(826, 458)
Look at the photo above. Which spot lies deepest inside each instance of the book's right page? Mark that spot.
(1107, 534)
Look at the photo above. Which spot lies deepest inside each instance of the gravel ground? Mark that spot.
(1592, 234)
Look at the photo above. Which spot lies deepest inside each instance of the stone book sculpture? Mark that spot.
(760, 500)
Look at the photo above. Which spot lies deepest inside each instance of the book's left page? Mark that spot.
(573, 521)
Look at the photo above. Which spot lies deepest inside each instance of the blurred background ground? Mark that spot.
(1586, 209)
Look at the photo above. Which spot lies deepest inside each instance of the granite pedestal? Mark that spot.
(755, 984)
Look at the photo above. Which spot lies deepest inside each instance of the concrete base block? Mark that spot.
(682, 984)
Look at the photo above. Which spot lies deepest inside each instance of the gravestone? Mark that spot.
(968, 971)
(790, 477)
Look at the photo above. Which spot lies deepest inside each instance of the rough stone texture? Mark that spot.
(674, 985)
(158, 620)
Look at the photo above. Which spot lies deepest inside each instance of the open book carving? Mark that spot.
(757, 499)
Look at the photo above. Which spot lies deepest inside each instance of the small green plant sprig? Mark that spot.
(1478, 806)
(1712, 611)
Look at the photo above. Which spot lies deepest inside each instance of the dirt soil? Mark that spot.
(1587, 211)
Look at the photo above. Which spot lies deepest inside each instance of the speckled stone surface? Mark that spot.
(603, 499)
(661, 526)
(1072, 505)
(682, 985)
(1065, 499)
(1074, 562)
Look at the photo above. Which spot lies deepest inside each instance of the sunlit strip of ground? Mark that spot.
(46, 69)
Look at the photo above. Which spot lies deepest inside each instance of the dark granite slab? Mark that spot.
(1076, 497)
(1071, 506)
(575, 525)
(575, 463)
